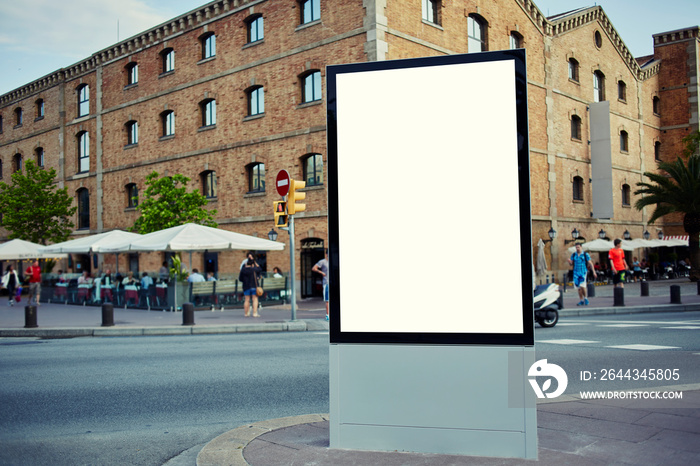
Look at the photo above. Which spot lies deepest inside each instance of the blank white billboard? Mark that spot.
(428, 224)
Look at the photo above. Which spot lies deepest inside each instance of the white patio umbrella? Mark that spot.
(93, 243)
(600, 245)
(193, 237)
(20, 249)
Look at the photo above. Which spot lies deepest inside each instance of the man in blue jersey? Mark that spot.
(581, 262)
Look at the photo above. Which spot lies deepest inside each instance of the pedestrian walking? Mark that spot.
(34, 272)
(618, 265)
(581, 262)
(249, 277)
(321, 267)
(10, 281)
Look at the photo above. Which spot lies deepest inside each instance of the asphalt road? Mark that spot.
(156, 400)
(599, 344)
(145, 400)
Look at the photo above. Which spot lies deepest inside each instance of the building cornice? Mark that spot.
(196, 18)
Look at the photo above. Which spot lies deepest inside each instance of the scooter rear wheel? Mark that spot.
(550, 319)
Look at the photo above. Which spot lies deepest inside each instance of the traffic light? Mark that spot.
(280, 213)
(294, 196)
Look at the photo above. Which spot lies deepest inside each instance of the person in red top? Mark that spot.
(618, 265)
(34, 272)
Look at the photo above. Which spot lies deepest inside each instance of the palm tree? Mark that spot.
(676, 189)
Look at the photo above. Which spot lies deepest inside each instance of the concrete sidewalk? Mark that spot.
(570, 432)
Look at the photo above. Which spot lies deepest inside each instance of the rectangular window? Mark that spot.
(257, 101)
(169, 124)
(209, 47)
(84, 152)
(312, 87)
(255, 30)
(84, 101)
(310, 11)
(430, 11)
(169, 61)
(210, 113)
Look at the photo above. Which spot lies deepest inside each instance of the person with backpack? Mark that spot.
(581, 262)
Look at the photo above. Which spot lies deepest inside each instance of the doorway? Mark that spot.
(312, 251)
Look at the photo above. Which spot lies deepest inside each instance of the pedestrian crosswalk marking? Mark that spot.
(685, 327)
(624, 325)
(566, 341)
(643, 347)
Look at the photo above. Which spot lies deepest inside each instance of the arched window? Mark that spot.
(132, 195)
(167, 119)
(311, 86)
(254, 25)
(657, 151)
(208, 109)
(624, 141)
(39, 104)
(18, 116)
(622, 91)
(310, 11)
(256, 177)
(256, 101)
(208, 184)
(598, 86)
(167, 58)
(39, 156)
(575, 127)
(626, 195)
(476, 33)
(83, 152)
(132, 133)
(0, 169)
(83, 100)
(573, 69)
(578, 188)
(208, 42)
(132, 73)
(83, 209)
(655, 105)
(17, 162)
(431, 10)
(313, 169)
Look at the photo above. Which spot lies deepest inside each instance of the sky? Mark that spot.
(37, 37)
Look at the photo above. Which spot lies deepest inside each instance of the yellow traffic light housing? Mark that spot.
(294, 196)
(280, 213)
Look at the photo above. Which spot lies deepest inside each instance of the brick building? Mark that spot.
(233, 92)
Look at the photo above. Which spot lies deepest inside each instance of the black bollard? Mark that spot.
(30, 317)
(675, 294)
(188, 314)
(618, 296)
(591, 290)
(644, 287)
(108, 315)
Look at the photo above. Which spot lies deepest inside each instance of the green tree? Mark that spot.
(168, 204)
(34, 209)
(676, 189)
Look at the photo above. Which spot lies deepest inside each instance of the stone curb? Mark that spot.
(292, 326)
(593, 311)
(227, 448)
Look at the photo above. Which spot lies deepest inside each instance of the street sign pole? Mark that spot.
(292, 272)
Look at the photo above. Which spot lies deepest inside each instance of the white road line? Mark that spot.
(643, 347)
(565, 341)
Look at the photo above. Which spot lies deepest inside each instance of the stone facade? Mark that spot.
(289, 129)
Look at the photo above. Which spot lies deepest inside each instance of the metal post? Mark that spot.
(675, 294)
(30, 319)
(108, 315)
(618, 296)
(188, 314)
(292, 273)
(644, 288)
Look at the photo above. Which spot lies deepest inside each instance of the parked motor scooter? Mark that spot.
(548, 300)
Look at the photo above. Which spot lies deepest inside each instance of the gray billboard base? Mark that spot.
(447, 399)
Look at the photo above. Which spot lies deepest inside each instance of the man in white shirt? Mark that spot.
(195, 276)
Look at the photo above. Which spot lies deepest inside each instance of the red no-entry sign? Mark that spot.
(282, 183)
